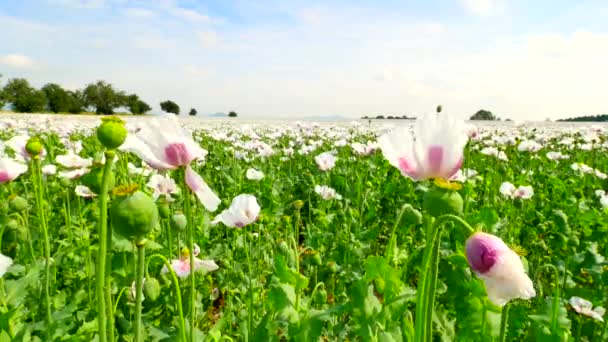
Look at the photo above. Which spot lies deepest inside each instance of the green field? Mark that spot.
(344, 247)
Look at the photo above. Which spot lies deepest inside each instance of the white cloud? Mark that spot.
(208, 38)
(485, 8)
(189, 14)
(17, 61)
(198, 72)
(90, 4)
(310, 16)
(140, 13)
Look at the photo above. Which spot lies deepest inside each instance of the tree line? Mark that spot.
(593, 118)
(99, 97)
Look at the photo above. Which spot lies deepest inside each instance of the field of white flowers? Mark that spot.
(167, 229)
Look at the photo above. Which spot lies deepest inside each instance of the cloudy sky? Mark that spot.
(520, 59)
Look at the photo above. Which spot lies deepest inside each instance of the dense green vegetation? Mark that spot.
(589, 118)
(337, 251)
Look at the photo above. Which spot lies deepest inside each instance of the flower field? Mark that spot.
(162, 229)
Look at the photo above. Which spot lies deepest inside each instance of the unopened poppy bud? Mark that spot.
(320, 297)
(164, 210)
(134, 215)
(112, 132)
(33, 146)
(94, 178)
(411, 216)
(179, 222)
(18, 204)
(151, 289)
(299, 204)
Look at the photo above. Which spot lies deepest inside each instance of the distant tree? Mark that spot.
(483, 115)
(593, 118)
(380, 117)
(24, 98)
(170, 107)
(390, 117)
(365, 117)
(75, 102)
(192, 112)
(2, 97)
(58, 99)
(137, 106)
(232, 114)
(439, 109)
(103, 97)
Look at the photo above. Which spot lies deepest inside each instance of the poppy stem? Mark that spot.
(556, 296)
(178, 295)
(504, 323)
(393, 239)
(190, 232)
(103, 248)
(141, 262)
(39, 193)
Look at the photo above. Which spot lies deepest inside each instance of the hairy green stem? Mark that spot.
(504, 323)
(103, 245)
(425, 297)
(190, 232)
(250, 297)
(38, 190)
(420, 334)
(178, 295)
(556, 297)
(393, 238)
(141, 262)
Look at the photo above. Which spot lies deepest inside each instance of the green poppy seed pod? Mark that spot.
(283, 247)
(135, 215)
(164, 210)
(320, 297)
(18, 204)
(4, 208)
(94, 178)
(151, 289)
(411, 216)
(179, 222)
(22, 234)
(12, 224)
(33, 146)
(437, 202)
(332, 266)
(112, 132)
(316, 259)
(299, 204)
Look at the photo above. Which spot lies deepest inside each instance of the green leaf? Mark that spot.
(287, 275)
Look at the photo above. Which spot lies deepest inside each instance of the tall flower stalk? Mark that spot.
(111, 133)
(164, 145)
(34, 149)
(190, 234)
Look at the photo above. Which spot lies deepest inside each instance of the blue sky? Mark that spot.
(519, 59)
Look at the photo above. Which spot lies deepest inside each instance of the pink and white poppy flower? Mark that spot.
(162, 185)
(499, 267)
(164, 145)
(10, 169)
(523, 192)
(5, 263)
(585, 308)
(243, 210)
(325, 161)
(433, 150)
(181, 266)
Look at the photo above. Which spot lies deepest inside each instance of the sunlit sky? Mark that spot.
(520, 59)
